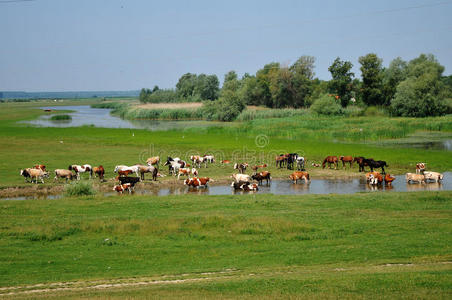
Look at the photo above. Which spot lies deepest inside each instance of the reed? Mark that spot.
(248, 114)
(61, 118)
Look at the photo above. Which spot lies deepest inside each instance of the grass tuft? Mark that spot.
(61, 118)
(79, 189)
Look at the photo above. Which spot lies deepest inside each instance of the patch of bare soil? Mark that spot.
(170, 105)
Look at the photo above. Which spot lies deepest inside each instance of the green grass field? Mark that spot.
(365, 245)
(58, 147)
(338, 244)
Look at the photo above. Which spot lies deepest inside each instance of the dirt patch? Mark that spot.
(189, 105)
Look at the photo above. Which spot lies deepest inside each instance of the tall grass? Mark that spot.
(162, 113)
(343, 128)
(248, 114)
(79, 189)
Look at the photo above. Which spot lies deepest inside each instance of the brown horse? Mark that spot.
(346, 159)
(362, 162)
(330, 160)
(99, 171)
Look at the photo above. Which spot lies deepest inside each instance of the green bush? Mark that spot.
(79, 189)
(415, 97)
(327, 105)
(225, 109)
(61, 118)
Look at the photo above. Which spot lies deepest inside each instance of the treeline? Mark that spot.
(189, 88)
(415, 88)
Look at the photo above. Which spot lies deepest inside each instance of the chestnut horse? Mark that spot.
(330, 160)
(346, 159)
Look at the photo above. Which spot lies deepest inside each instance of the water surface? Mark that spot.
(85, 115)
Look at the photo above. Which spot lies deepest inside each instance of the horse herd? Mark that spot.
(241, 181)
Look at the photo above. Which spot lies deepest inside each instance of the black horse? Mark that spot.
(377, 164)
(292, 157)
(362, 162)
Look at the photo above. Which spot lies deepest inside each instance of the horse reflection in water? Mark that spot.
(433, 186)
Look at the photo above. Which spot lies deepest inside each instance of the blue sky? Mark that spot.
(67, 45)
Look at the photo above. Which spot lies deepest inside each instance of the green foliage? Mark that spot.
(79, 189)
(202, 87)
(392, 76)
(60, 118)
(327, 105)
(372, 73)
(227, 108)
(189, 88)
(422, 93)
(231, 82)
(341, 82)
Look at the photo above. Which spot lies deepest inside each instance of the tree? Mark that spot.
(304, 66)
(185, 87)
(392, 76)
(372, 74)
(231, 82)
(422, 93)
(302, 80)
(281, 88)
(144, 95)
(264, 78)
(250, 91)
(211, 88)
(342, 79)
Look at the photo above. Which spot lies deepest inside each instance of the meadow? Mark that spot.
(365, 245)
(376, 245)
(256, 141)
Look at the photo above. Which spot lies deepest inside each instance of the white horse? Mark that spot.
(300, 163)
(81, 169)
(135, 169)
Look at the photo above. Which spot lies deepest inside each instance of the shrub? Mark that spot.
(225, 109)
(327, 105)
(61, 118)
(79, 189)
(416, 97)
